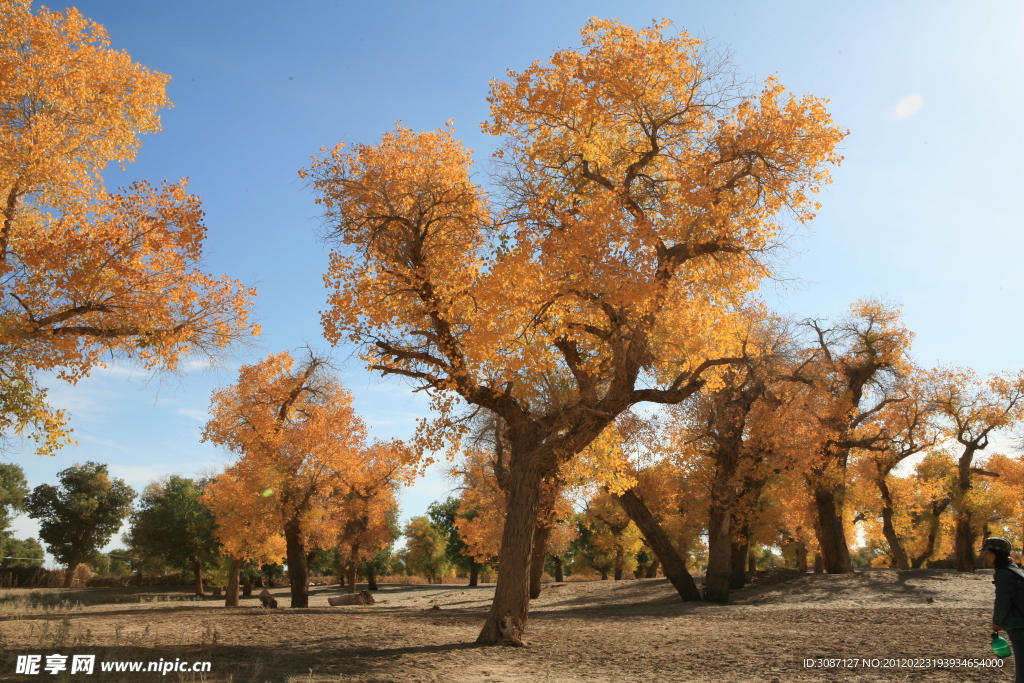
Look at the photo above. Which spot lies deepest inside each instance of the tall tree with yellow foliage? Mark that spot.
(86, 272)
(637, 192)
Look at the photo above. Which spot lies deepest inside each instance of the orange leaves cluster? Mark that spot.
(304, 462)
(638, 188)
(86, 272)
(71, 104)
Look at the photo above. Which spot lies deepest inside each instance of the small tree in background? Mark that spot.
(81, 515)
(427, 549)
(174, 525)
(13, 490)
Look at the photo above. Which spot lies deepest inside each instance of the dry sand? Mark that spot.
(886, 625)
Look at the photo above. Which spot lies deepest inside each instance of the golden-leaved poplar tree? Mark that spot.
(85, 272)
(297, 433)
(636, 192)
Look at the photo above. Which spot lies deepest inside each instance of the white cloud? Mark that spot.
(908, 106)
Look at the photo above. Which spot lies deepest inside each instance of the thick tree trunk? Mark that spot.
(620, 561)
(474, 573)
(830, 530)
(801, 557)
(559, 576)
(719, 572)
(69, 574)
(298, 572)
(197, 576)
(963, 542)
(351, 577)
(604, 573)
(234, 569)
(964, 545)
(371, 577)
(506, 621)
(652, 571)
(658, 541)
(751, 562)
(819, 563)
(540, 546)
(738, 551)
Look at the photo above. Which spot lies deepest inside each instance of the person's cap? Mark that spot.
(996, 544)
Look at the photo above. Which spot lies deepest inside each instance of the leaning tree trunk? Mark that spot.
(506, 621)
(657, 540)
(541, 534)
(830, 529)
(197, 575)
(298, 571)
(234, 569)
(888, 530)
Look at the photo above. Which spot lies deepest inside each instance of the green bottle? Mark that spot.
(1000, 646)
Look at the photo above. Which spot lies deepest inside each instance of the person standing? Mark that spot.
(1008, 611)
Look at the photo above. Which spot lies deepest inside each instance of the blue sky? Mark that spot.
(924, 211)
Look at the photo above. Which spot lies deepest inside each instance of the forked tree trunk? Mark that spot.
(659, 543)
(506, 621)
(298, 572)
(888, 530)
(719, 572)
(830, 529)
(938, 507)
(234, 569)
(197, 575)
(474, 573)
(540, 546)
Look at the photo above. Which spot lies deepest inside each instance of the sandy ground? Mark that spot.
(886, 625)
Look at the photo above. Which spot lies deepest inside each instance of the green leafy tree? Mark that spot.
(427, 546)
(79, 516)
(27, 553)
(173, 525)
(442, 516)
(13, 490)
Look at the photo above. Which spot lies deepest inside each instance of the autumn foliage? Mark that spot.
(87, 272)
(639, 189)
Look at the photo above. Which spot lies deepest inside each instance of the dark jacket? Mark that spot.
(1009, 608)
